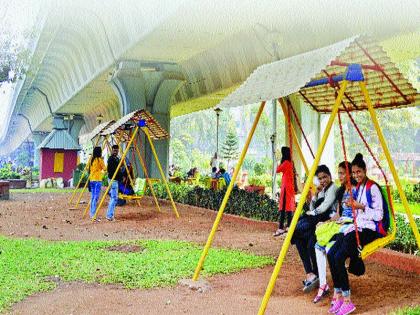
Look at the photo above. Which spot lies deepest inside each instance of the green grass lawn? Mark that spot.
(414, 207)
(26, 264)
(414, 310)
(46, 190)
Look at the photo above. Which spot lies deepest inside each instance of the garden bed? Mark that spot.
(17, 183)
(47, 216)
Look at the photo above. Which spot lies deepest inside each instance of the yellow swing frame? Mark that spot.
(150, 125)
(107, 142)
(96, 133)
(295, 139)
(368, 248)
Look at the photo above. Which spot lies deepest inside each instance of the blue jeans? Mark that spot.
(113, 201)
(95, 190)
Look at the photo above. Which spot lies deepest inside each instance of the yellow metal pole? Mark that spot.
(390, 162)
(149, 183)
(81, 177)
(296, 141)
(126, 167)
(161, 171)
(302, 200)
(227, 194)
(85, 186)
(115, 174)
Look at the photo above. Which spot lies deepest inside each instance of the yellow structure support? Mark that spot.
(85, 186)
(296, 141)
(149, 182)
(302, 200)
(161, 171)
(126, 167)
(227, 194)
(115, 174)
(391, 164)
(81, 177)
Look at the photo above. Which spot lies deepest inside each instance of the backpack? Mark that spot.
(382, 226)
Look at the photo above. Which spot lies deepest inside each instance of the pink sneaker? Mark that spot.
(336, 306)
(346, 308)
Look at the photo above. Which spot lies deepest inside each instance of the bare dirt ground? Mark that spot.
(47, 216)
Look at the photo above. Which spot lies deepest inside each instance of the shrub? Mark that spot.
(247, 204)
(404, 240)
(6, 172)
(261, 207)
(412, 192)
(261, 180)
(259, 168)
(179, 191)
(81, 166)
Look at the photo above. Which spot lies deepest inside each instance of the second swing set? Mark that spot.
(127, 135)
(130, 134)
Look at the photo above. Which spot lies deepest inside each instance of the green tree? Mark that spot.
(179, 155)
(14, 53)
(230, 146)
(399, 127)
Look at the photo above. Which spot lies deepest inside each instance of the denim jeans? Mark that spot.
(95, 190)
(113, 201)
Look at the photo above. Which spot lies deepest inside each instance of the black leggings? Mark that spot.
(345, 247)
(304, 238)
(283, 215)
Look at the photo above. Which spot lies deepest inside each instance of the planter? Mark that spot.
(258, 189)
(17, 183)
(4, 190)
(396, 260)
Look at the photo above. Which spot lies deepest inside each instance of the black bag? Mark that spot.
(357, 266)
(88, 185)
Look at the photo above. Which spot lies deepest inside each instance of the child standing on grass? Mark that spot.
(287, 203)
(96, 169)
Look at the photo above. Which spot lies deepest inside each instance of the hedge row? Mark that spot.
(261, 207)
(247, 204)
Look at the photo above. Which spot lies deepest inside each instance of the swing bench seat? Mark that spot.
(139, 190)
(392, 231)
(129, 197)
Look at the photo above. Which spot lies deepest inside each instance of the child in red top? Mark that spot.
(287, 190)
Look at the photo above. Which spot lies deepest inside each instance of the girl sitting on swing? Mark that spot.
(369, 207)
(326, 232)
(321, 208)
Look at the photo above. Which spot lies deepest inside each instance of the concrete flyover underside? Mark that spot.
(175, 56)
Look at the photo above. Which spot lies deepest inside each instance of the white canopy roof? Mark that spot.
(284, 77)
(387, 87)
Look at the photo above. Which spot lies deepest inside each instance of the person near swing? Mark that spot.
(96, 170)
(113, 162)
(124, 186)
(321, 208)
(368, 205)
(327, 232)
(287, 204)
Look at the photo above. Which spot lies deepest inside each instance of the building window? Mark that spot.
(58, 162)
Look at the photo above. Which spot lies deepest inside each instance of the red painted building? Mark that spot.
(58, 155)
(50, 160)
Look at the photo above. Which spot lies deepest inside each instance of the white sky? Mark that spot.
(16, 17)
